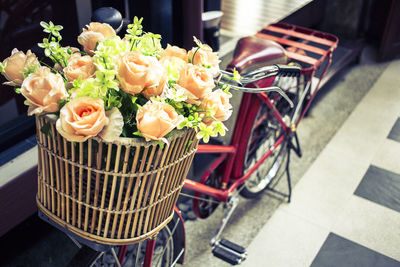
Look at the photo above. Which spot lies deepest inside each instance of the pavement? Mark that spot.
(332, 107)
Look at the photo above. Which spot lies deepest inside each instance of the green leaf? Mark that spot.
(160, 143)
(137, 133)
(62, 103)
(188, 145)
(44, 24)
(46, 129)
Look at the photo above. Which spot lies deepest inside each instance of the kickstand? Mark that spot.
(297, 149)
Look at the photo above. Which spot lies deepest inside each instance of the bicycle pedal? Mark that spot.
(229, 252)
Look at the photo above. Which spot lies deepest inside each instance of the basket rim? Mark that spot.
(125, 141)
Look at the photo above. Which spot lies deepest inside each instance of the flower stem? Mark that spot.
(195, 54)
(11, 80)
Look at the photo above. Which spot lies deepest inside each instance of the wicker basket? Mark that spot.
(111, 193)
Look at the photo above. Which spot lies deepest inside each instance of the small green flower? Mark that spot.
(236, 76)
(51, 28)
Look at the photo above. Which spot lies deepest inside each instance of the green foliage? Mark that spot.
(51, 44)
(145, 42)
(46, 129)
(29, 70)
(173, 69)
(62, 103)
(207, 131)
(3, 66)
(107, 50)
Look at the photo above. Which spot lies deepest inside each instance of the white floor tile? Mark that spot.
(370, 225)
(325, 188)
(286, 240)
(388, 156)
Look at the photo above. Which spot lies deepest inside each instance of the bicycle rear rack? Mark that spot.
(308, 47)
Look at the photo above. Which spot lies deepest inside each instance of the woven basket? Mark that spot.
(111, 193)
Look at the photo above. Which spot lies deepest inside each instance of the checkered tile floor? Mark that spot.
(345, 210)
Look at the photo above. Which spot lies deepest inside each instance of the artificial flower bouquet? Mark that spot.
(117, 88)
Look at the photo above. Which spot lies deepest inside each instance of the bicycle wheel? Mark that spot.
(264, 134)
(168, 249)
(204, 205)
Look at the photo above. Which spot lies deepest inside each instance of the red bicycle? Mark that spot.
(265, 130)
(274, 101)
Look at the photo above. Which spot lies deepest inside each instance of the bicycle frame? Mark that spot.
(232, 156)
(232, 153)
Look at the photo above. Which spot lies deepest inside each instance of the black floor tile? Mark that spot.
(338, 251)
(395, 132)
(380, 186)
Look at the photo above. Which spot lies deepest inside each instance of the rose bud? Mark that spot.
(16, 64)
(95, 32)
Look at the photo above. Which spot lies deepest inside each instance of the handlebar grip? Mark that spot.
(108, 15)
(288, 70)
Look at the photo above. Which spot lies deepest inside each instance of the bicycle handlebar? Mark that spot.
(258, 74)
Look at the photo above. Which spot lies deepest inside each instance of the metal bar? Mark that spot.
(309, 60)
(308, 37)
(200, 198)
(171, 233)
(276, 113)
(115, 257)
(299, 104)
(75, 241)
(232, 204)
(150, 244)
(138, 254)
(288, 42)
(220, 195)
(255, 167)
(177, 258)
(215, 149)
(261, 90)
(122, 253)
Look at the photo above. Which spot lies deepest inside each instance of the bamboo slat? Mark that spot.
(97, 186)
(62, 179)
(88, 184)
(115, 193)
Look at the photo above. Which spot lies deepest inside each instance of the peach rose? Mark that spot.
(218, 103)
(136, 72)
(81, 118)
(43, 90)
(156, 90)
(95, 32)
(17, 63)
(174, 51)
(196, 80)
(205, 57)
(156, 119)
(79, 66)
